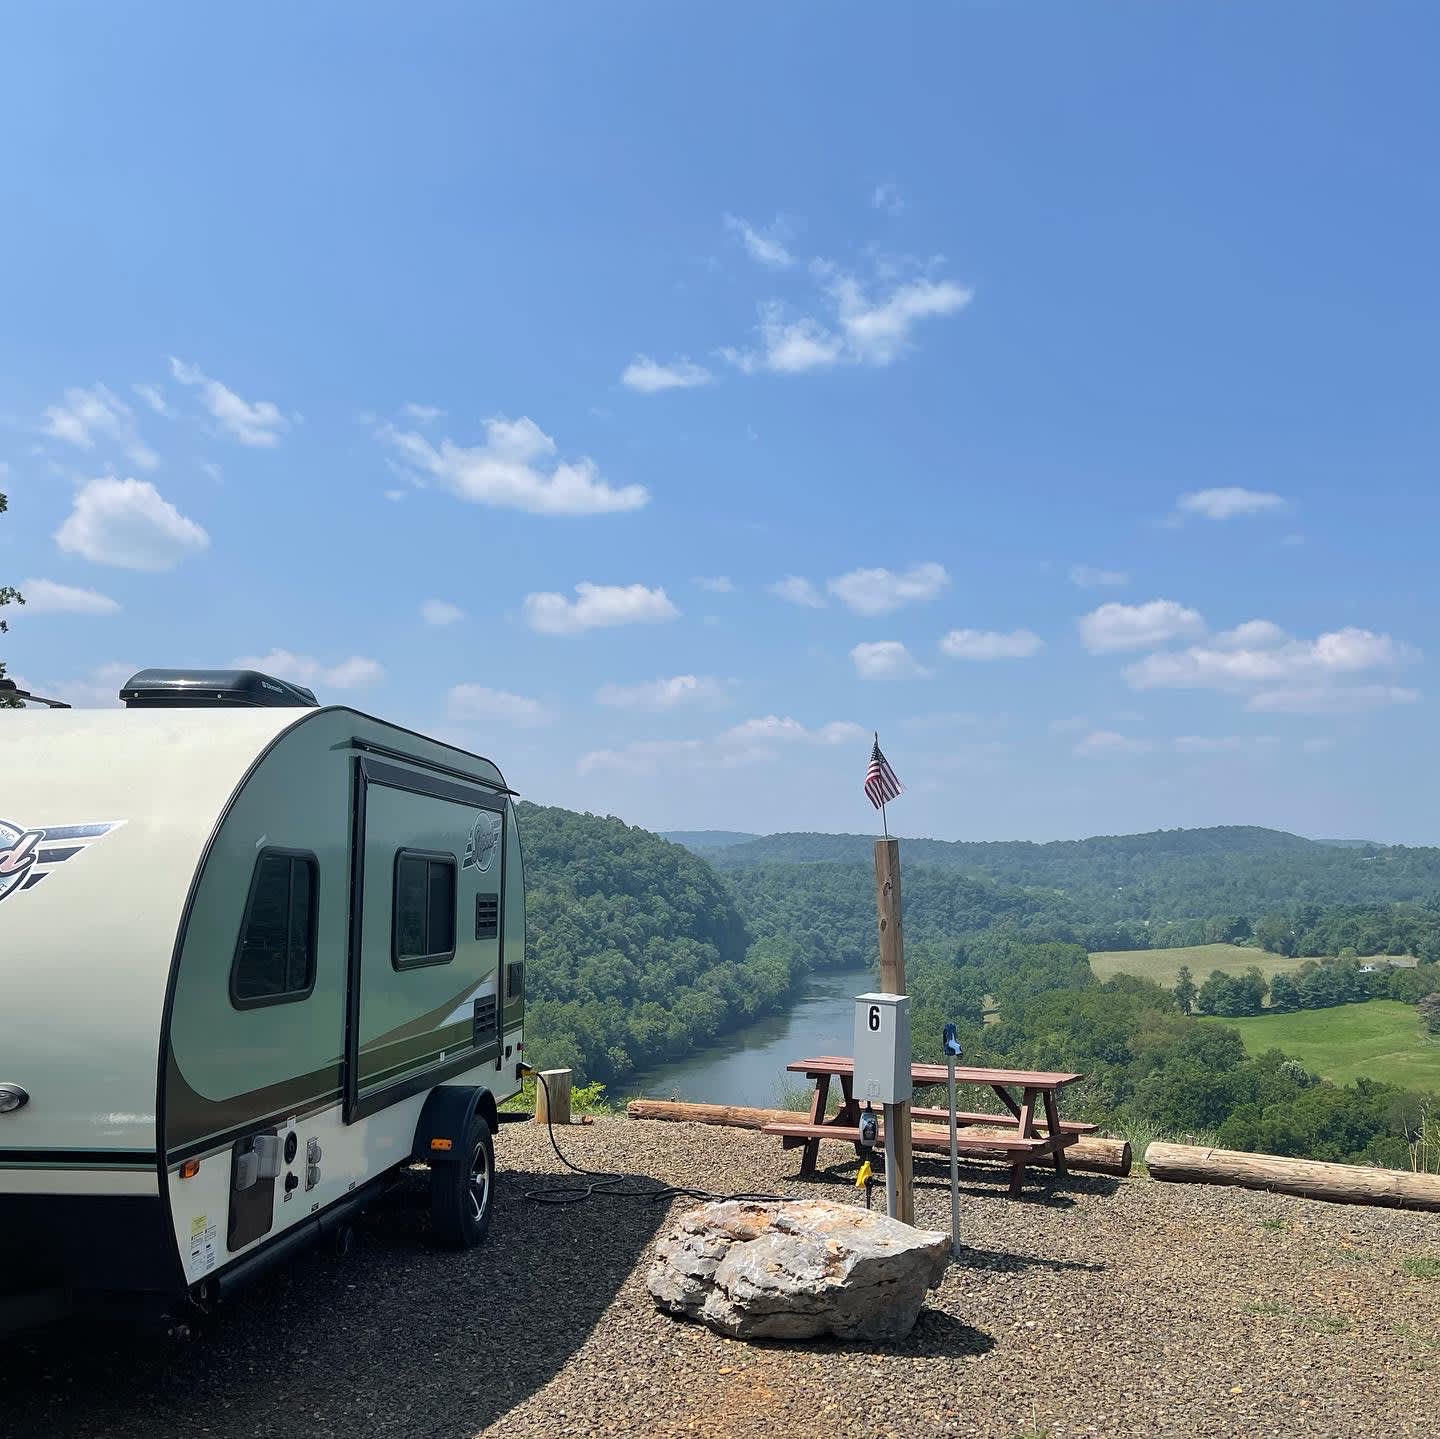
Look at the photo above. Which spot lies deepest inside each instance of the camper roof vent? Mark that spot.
(210, 689)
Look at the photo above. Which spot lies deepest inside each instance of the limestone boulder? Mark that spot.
(796, 1270)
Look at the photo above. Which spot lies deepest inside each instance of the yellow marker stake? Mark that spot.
(863, 1177)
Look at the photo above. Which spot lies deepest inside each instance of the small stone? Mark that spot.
(796, 1270)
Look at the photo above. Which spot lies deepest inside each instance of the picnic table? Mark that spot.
(1025, 1093)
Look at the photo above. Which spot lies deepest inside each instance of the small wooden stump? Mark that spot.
(552, 1096)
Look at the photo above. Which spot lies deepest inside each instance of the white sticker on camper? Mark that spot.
(202, 1247)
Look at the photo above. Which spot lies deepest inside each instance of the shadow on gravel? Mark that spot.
(397, 1339)
(1004, 1262)
(1042, 1186)
(936, 1335)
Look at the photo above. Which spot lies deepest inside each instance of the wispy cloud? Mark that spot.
(47, 597)
(650, 377)
(756, 741)
(259, 424)
(880, 591)
(154, 396)
(716, 584)
(886, 196)
(128, 523)
(513, 470)
(470, 703)
(422, 414)
(663, 694)
(1109, 742)
(597, 607)
(440, 612)
(84, 417)
(991, 644)
(353, 673)
(765, 247)
(798, 591)
(1228, 501)
(886, 660)
(1134, 627)
(1088, 577)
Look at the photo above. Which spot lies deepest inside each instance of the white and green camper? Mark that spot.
(256, 957)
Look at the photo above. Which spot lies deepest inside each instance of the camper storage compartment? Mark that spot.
(254, 1166)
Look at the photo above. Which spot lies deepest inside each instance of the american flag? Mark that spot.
(881, 785)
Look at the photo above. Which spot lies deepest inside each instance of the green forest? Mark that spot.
(639, 950)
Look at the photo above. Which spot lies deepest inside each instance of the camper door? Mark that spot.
(427, 948)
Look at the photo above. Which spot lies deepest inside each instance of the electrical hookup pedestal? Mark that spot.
(882, 1076)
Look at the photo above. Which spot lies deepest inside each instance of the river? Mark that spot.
(748, 1065)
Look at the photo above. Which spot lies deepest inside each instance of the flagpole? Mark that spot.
(884, 821)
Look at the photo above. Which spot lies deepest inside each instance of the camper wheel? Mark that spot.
(462, 1195)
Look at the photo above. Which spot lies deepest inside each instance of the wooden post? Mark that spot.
(892, 981)
(552, 1097)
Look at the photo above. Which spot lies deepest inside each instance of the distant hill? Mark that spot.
(704, 840)
(1164, 875)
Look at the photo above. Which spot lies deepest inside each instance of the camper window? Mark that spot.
(275, 959)
(424, 923)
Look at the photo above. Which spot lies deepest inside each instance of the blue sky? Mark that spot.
(557, 379)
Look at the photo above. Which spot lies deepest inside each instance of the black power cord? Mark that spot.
(621, 1186)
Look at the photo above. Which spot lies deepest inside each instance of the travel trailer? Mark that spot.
(257, 956)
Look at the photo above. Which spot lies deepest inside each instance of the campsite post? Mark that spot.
(898, 1186)
(952, 1053)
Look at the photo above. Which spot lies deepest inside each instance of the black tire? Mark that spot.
(462, 1195)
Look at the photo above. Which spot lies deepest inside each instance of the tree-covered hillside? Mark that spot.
(1167, 875)
(635, 950)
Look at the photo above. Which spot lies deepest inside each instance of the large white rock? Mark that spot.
(796, 1270)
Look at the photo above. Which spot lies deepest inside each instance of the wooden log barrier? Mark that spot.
(1309, 1178)
(1090, 1154)
(552, 1098)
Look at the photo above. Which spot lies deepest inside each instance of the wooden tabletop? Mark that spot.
(921, 1074)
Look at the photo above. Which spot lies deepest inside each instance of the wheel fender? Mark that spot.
(440, 1132)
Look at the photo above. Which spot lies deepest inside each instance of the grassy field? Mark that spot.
(1377, 1040)
(1163, 965)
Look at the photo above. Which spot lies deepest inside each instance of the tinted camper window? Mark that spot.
(275, 959)
(424, 925)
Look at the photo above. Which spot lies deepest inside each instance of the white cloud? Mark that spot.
(597, 607)
(886, 660)
(46, 597)
(765, 247)
(468, 703)
(100, 689)
(1260, 653)
(716, 584)
(260, 424)
(510, 471)
(650, 377)
(1088, 577)
(154, 396)
(1320, 744)
(886, 196)
(798, 592)
(1132, 627)
(1330, 699)
(877, 332)
(1105, 741)
(859, 329)
(1071, 724)
(1228, 501)
(663, 694)
(128, 523)
(422, 414)
(787, 347)
(1220, 744)
(351, 673)
(643, 757)
(773, 727)
(440, 612)
(878, 592)
(87, 415)
(991, 644)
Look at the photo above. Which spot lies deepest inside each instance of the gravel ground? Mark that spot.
(1097, 1307)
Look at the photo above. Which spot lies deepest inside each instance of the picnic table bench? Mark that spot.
(1024, 1142)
